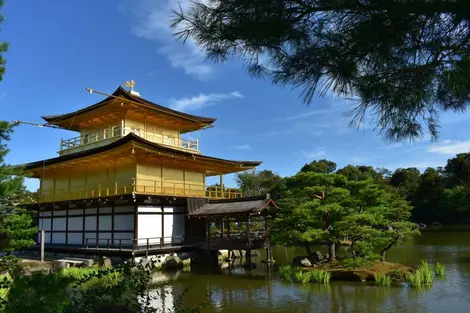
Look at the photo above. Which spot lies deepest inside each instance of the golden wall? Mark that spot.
(141, 178)
(88, 184)
(154, 179)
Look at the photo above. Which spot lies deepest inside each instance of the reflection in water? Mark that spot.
(237, 290)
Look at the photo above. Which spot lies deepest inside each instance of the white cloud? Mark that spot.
(300, 116)
(201, 101)
(451, 147)
(3, 95)
(152, 22)
(241, 147)
(314, 154)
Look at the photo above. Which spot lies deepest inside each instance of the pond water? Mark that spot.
(260, 290)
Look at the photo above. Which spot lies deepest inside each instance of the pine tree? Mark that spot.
(320, 208)
(16, 225)
(402, 61)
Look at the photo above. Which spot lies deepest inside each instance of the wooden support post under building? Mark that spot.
(43, 239)
(269, 258)
(248, 248)
(221, 185)
(222, 222)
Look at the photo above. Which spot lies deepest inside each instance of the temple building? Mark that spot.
(129, 181)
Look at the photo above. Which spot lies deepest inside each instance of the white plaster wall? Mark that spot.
(150, 226)
(59, 223)
(75, 223)
(168, 225)
(127, 236)
(90, 222)
(74, 239)
(105, 222)
(58, 237)
(124, 222)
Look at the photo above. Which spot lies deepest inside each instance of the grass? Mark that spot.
(285, 272)
(440, 269)
(75, 274)
(422, 277)
(298, 276)
(320, 276)
(383, 280)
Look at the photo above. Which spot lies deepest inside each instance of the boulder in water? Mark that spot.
(301, 261)
(172, 262)
(105, 262)
(318, 257)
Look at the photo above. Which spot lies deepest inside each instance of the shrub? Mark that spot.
(285, 272)
(397, 275)
(383, 280)
(352, 263)
(440, 269)
(320, 276)
(85, 291)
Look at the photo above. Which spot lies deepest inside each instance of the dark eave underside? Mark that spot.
(136, 139)
(121, 92)
(238, 206)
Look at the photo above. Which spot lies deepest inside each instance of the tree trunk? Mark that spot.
(331, 251)
(388, 247)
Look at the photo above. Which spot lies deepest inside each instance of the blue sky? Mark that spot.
(57, 48)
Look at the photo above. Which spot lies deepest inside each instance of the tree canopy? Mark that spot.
(404, 62)
(16, 225)
(253, 183)
(356, 212)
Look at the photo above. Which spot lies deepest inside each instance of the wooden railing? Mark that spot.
(139, 186)
(121, 131)
(139, 244)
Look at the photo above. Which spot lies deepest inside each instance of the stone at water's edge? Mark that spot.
(173, 262)
(301, 261)
(105, 262)
(317, 256)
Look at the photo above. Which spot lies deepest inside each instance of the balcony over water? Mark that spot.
(106, 136)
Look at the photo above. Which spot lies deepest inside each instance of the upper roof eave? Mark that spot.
(121, 92)
(136, 139)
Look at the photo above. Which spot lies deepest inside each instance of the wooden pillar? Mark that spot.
(248, 248)
(221, 178)
(266, 243)
(228, 228)
(208, 224)
(43, 238)
(222, 222)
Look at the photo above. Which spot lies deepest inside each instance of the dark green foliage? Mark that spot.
(3, 47)
(364, 215)
(397, 275)
(402, 61)
(127, 287)
(321, 166)
(255, 183)
(437, 195)
(16, 225)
